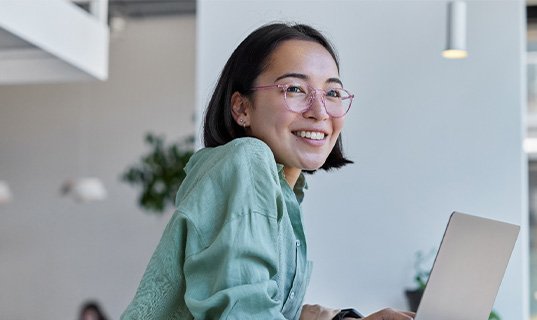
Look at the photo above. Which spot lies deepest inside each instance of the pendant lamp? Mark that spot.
(456, 31)
(5, 193)
(85, 188)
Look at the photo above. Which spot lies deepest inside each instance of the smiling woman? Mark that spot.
(235, 247)
(290, 120)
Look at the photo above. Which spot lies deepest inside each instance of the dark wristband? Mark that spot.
(348, 313)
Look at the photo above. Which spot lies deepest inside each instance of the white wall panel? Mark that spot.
(428, 136)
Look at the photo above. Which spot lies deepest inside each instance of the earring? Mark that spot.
(242, 123)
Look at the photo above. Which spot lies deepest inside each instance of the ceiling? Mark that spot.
(145, 8)
(152, 8)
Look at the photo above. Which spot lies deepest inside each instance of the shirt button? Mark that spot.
(292, 295)
(298, 243)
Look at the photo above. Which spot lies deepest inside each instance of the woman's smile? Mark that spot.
(313, 135)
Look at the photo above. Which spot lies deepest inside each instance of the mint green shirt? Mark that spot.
(235, 246)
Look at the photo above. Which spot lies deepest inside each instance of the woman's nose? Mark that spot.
(317, 109)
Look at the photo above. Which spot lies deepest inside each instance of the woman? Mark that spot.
(235, 247)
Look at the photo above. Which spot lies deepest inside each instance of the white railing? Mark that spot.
(65, 43)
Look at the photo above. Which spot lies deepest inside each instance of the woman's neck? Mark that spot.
(291, 175)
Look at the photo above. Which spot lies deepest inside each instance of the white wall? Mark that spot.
(428, 136)
(55, 253)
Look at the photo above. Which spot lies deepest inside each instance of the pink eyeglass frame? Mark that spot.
(312, 94)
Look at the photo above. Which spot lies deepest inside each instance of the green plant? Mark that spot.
(494, 315)
(422, 267)
(160, 172)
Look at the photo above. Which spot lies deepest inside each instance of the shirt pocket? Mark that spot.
(294, 299)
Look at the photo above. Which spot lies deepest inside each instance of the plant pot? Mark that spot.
(413, 298)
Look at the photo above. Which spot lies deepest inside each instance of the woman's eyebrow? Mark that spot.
(305, 77)
(335, 80)
(292, 75)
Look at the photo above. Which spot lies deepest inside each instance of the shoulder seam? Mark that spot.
(196, 230)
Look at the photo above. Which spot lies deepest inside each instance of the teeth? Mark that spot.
(310, 135)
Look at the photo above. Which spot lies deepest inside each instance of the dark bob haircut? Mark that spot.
(244, 65)
(91, 306)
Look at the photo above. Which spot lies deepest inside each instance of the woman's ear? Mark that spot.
(240, 109)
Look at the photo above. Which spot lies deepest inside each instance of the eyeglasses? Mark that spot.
(336, 101)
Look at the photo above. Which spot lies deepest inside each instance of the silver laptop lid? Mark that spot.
(468, 269)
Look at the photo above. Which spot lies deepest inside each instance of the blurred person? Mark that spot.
(91, 311)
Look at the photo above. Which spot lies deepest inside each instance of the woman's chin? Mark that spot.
(312, 165)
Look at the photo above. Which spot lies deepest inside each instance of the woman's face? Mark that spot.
(304, 63)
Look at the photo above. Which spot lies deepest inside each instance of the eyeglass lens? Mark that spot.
(336, 101)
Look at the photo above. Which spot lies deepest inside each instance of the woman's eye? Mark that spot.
(295, 89)
(334, 93)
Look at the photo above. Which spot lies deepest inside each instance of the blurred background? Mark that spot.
(82, 82)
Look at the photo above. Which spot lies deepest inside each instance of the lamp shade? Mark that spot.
(85, 189)
(5, 192)
(456, 31)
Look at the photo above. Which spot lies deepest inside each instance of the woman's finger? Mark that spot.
(408, 313)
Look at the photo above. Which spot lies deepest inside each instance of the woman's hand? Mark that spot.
(391, 314)
(317, 312)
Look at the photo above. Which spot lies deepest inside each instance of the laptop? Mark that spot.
(468, 269)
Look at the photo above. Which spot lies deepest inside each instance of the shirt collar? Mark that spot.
(300, 185)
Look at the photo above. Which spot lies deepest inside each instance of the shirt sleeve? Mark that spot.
(235, 277)
(161, 288)
(232, 270)
(219, 256)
